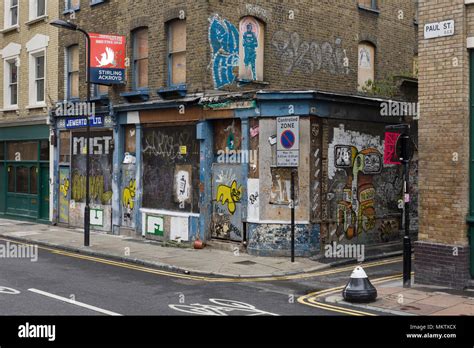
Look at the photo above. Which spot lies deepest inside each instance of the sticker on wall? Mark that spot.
(97, 217)
(155, 225)
(253, 207)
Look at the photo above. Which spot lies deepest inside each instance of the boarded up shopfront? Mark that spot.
(170, 180)
(100, 181)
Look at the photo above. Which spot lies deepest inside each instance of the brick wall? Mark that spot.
(21, 36)
(443, 133)
(330, 31)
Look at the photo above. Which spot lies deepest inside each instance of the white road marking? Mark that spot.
(77, 303)
(23, 234)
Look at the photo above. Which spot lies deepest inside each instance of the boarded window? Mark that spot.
(65, 147)
(130, 139)
(251, 49)
(366, 65)
(140, 58)
(23, 151)
(2, 151)
(177, 51)
(171, 168)
(372, 4)
(73, 72)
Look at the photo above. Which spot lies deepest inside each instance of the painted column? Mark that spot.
(205, 135)
(116, 173)
(55, 176)
(139, 185)
(245, 165)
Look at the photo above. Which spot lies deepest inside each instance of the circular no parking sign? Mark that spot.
(287, 139)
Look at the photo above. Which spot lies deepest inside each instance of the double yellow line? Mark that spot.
(311, 299)
(211, 279)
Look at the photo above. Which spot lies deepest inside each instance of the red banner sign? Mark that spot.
(108, 54)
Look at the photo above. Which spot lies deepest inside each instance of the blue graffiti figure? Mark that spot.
(250, 43)
(224, 41)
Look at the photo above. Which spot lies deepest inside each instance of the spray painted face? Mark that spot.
(249, 27)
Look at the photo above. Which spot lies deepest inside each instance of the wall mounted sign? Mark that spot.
(107, 59)
(288, 142)
(81, 122)
(439, 29)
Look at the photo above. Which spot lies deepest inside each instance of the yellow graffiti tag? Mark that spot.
(64, 188)
(128, 194)
(229, 195)
(96, 188)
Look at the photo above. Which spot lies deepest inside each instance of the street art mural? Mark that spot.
(64, 194)
(281, 186)
(362, 193)
(129, 188)
(224, 41)
(99, 188)
(227, 193)
(249, 40)
(356, 212)
(315, 170)
(309, 57)
(182, 185)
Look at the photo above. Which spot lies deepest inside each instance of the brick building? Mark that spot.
(443, 255)
(28, 48)
(188, 143)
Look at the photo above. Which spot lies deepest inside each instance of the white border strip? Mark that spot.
(80, 304)
(167, 213)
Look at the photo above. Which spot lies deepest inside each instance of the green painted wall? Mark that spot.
(33, 132)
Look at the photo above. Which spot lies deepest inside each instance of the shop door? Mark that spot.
(44, 193)
(22, 190)
(227, 193)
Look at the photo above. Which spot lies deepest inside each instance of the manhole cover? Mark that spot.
(247, 262)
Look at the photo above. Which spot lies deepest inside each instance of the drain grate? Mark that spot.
(246, 263)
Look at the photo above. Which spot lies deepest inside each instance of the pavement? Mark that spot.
(394, 299)
(205, 261)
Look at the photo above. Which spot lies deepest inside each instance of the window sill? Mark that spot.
(10, 108)
(9, 29)
(173, 91)
(100, 98)
(97, 2)
(36, 106)
(43, 18)
(141, 95)
(368, 9)
(71, 10)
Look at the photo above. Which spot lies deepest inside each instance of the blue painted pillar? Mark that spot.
(139, 191)
(245, 164)
(55, 176)
(205, 134)
(116, 179)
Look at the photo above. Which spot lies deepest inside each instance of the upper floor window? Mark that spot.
(12, 78)
(366, 64)
(72, 72)
(72, 5)
(37, 8)
(140, 58)
(11, 13)
(251, 46)
(177, 52)
(370, 4)
(99, 90)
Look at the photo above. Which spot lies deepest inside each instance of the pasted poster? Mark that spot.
(129, 188)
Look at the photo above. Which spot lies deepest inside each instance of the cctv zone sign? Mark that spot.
(288, 141)
(107, 59)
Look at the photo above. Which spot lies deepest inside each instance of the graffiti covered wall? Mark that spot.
(362, 191)
(171, 168)
(224, 41)
(100, 181)
(64, 194)
(227, 193)
(128, 189)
